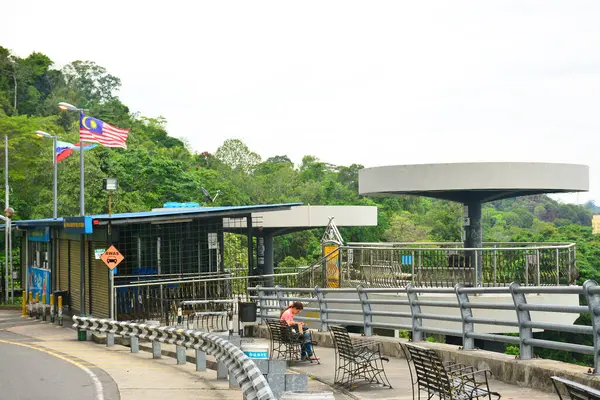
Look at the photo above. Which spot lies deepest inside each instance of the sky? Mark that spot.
(350, 82)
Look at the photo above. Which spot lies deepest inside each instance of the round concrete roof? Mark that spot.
(477, 181)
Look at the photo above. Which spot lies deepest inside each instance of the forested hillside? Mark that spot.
(157, 168)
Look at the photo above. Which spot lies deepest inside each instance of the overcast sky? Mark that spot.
(369, 82)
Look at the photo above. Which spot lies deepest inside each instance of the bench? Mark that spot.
(286, 343)
(446, 380)
(576, 391)
(357, 359)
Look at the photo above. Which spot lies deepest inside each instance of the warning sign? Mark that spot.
(112, 257)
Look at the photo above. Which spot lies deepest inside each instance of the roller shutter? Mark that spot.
(75, 276)
(99, 284)
(63, 265)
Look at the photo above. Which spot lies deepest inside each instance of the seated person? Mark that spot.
(288, 316)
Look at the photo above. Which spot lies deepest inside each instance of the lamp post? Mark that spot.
(69, 107)
(54, 166)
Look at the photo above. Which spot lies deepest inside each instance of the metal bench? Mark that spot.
(448, 380)
(286, 343)
(576, 391)
(358, 359)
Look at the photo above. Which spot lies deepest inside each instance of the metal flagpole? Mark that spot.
(6, 226)
(82, 236)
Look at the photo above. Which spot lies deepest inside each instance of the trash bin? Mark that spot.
(65, 297)
(247, 312)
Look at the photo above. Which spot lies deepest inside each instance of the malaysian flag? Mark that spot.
(94, 130)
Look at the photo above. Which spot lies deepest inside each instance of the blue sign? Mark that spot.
(38, 235)
(39, 281)
(81, 225)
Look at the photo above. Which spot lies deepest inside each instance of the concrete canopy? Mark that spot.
(473, 184)
(304, 217)
(465, 182)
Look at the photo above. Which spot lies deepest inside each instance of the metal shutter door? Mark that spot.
(75, 267)
(100, 299)
(63, 265)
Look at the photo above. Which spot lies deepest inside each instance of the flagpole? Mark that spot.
(82, 213)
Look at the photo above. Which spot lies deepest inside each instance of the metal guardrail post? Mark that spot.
(262, 303)
(366, 308)
(593, 301)
(557, 268)
(537, 267)
(279, 294)
(465, 313)
(323, 314)
(523, 317)
(417, 322)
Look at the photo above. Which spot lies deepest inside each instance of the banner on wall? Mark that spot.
(39, 281)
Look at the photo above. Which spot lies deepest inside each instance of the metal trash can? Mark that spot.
(247, 312)
(65, 297)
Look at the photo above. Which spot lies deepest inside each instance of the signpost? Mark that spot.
(112, 257)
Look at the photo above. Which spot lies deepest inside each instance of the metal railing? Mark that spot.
(250, 378)
(159, 299)
(444, 265)
(367, 307)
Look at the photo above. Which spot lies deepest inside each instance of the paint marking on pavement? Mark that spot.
(97, 383)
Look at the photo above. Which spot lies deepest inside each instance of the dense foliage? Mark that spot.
(157, 168)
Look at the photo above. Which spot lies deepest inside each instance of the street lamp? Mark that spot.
(69, 107)
(54, 165)
(110, 184)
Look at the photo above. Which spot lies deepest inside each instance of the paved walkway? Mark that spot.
(125, 375)
(138, 377)
(399, 377)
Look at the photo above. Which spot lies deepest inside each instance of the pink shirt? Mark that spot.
(287, 316)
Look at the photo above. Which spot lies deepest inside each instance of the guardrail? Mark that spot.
(324, 302)
(438, 265)
(243, 369)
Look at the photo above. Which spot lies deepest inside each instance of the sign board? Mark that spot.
(98, 253)
(596, 224)
(466, 221)
(39, 281)
(213, 240)
(80, 225)
(112, 257)
(38, 235)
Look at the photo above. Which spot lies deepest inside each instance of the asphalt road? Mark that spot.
(31, 372)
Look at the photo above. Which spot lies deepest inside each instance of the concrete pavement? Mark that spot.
(134, 376)
(397, 372)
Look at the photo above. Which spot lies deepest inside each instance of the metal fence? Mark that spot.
(444, 265)
(158, 299)
(368, 302)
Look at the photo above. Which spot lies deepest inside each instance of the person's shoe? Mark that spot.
(314, 358)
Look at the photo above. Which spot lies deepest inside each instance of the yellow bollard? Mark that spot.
(43, 305)
(37, 306)
(51, 307)
(59, 311)
(31, 304)
(24, 305)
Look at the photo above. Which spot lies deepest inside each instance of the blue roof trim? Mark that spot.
(201, 211)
